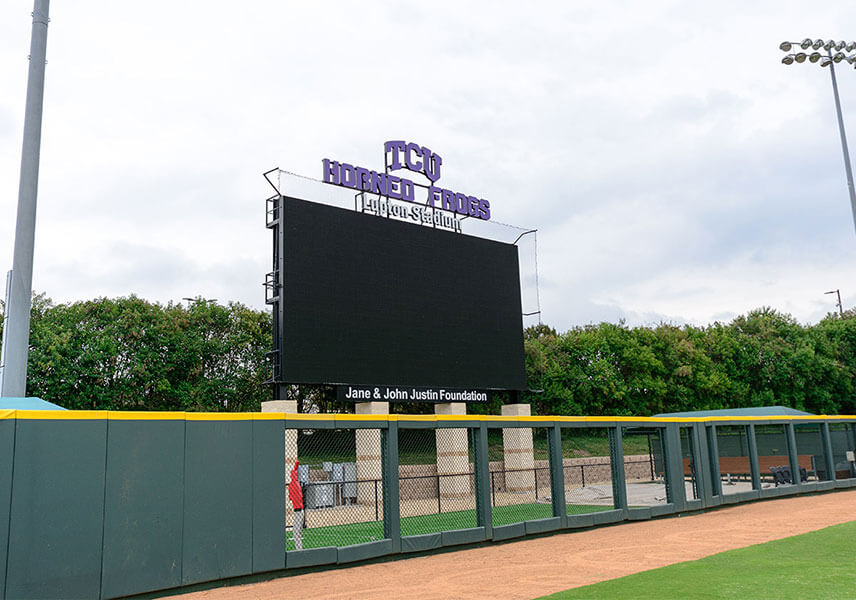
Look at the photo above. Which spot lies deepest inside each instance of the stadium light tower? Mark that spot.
(19, 287)
(843, 53)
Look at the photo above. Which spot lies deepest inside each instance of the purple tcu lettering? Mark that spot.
(434, 195)
(331, 171)
(462, 204)
(431, 164)
(396, 147)
(393, 188)
(419, 159)
(407, 191)
(348, 176)
(413, 165)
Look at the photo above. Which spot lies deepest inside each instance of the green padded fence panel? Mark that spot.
(665, 509)
(507, 532)
(421, 543)
(580, 521)
(464, 536)
(609, 516)
(639, 513)
(543, 525)
(57, 512)
(268, 496)
(7, 452)
(312, 557)
(218, 500)
(364, 551)
(142, 512)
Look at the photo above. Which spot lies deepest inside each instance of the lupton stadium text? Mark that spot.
(412, 157)
(416, 212)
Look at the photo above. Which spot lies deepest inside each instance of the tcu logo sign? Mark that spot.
(412, 157)
(416, 159)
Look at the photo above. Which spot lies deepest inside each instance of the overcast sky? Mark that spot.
(675, 169)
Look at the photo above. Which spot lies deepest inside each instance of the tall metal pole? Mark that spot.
(13, 382)
(839, 305)
(843, 139)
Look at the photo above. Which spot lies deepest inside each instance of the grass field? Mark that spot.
(358, 533)
(812, 565)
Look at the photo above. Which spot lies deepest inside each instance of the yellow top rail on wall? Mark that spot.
(118, 415)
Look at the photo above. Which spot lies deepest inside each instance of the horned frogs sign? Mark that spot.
(385, 186)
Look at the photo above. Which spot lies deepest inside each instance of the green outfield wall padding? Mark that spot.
(507, 532)
(268, 496)
(7, 454)
(142, 516)
(101, 505)
(421, 543)
(57, 514)
(218, 500)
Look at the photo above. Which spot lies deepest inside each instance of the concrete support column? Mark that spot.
(453, 457)
(286, 406)
(369, 455)
(518, 452)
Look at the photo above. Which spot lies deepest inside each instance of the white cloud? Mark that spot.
(675, 169)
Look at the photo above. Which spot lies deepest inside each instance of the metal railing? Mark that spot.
(337, 496)
(607, 464)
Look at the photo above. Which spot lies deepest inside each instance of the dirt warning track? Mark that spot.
(528, 569)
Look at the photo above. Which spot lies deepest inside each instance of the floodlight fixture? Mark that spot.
(829, 61)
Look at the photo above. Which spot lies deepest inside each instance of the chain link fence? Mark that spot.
(645, 472)
(338, 474)
(734, 467)
(436, 480)
(519, 474)
(587, 470)
(341, 479)
(843, 442)
(774, 465)
(811, 451)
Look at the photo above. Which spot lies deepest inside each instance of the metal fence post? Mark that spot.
(701, 460)
(793, 458)
(713, 457)
(753, 457)
(389, 470)
(674, 466)
(484, 513)
(557, 475)
(829, 459)
(616, 454)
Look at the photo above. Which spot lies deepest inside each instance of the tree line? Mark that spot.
(131, 354)
(762, 358)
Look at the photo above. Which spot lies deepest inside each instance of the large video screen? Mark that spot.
(375, 301)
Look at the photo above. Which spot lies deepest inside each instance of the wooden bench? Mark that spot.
(739, 465)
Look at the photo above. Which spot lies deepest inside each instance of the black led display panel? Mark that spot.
(374, 301)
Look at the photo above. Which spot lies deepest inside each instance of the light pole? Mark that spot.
(828, 61)
(19, 287)
(840, 308)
